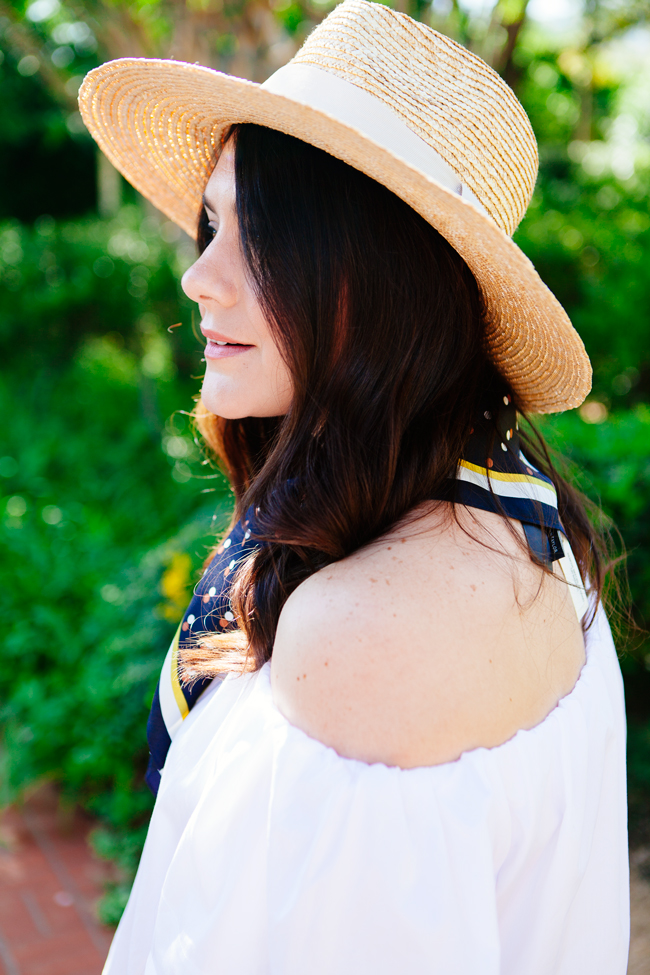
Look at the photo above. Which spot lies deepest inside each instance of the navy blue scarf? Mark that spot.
(493, 476)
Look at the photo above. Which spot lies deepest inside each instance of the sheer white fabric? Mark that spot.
(269, 854)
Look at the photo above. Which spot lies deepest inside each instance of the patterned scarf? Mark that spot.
(493, 475)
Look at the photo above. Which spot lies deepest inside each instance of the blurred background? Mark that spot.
(107, 508)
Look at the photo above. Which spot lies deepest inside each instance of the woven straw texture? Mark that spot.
(449, 97)
(161, 122)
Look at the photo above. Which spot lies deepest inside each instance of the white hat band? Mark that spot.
(360, 110)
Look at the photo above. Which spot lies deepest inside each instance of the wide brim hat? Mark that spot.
(403, 104)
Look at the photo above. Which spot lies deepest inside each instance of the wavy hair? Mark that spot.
(382, 327)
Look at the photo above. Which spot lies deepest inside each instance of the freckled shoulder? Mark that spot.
(436, 639)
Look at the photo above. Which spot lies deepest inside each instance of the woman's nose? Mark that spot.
(208, 280)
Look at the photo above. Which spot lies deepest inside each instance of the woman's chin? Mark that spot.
(217, 406)
(236, 404)
(222, 402)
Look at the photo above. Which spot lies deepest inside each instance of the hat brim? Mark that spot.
(160, 123)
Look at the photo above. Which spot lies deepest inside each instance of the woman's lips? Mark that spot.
(214, 351)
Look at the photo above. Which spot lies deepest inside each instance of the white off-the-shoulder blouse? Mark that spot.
(269, 854)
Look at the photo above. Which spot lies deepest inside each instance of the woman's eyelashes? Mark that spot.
(212, 225)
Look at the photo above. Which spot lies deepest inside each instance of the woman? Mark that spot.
(422, 767)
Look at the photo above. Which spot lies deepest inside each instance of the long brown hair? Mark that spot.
(382, 325)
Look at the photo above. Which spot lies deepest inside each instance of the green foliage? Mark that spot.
(610, 462)
(103, 523)
(638, 772)
(112, 904)
(588, 230)
(122, 849)
(81, 598)
(103, 519)
(33, 128)
(66, 282)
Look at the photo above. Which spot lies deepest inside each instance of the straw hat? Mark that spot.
(400, 102)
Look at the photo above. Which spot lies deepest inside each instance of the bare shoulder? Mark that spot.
(434, 640)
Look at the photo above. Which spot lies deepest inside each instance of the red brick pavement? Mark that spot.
(49, 886)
